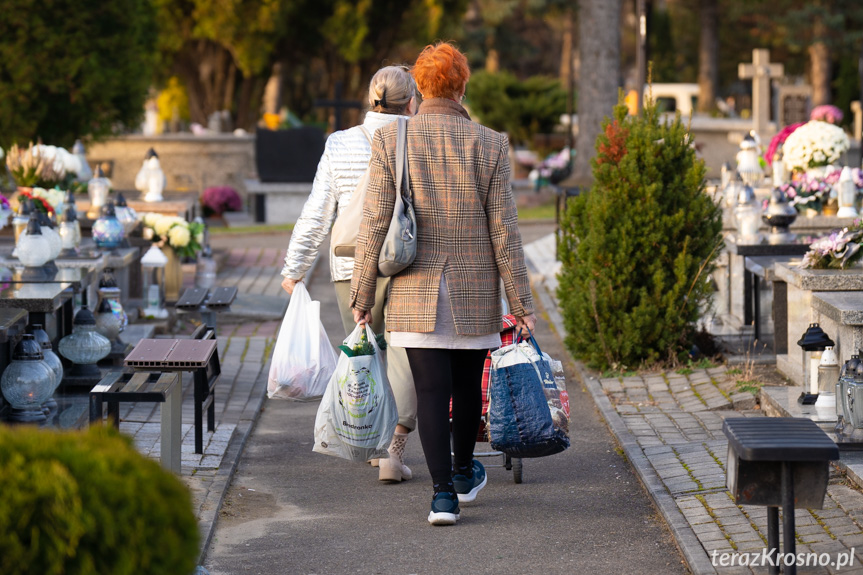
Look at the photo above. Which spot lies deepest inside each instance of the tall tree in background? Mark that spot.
(599, 78)
(708, 56)
(222, 51)
(226, 51)
(76, 69)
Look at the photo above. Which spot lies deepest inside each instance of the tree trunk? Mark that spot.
(819, 60)
(599, 48)
(708, 56)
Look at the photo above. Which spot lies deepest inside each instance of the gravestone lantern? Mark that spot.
(847, 195)
(828, 375)
(108, 232)
(747, 214)
(98, 189)
(78, 150)
(749, 161)
(70, 233)
(813, 342)
(85, 346)
(27, 381)
(153, 269)
(51, 360)
(151, 179)
(22, 216)
(779, 216)
(34, 251)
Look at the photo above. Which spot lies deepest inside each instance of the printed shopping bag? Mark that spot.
(303, 358)
(357, 416)
(520, 420)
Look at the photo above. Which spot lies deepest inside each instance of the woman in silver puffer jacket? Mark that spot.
(392, 92)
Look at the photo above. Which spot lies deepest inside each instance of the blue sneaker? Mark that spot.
(444, 509)
(468, 487)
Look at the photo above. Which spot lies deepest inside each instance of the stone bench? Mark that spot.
(277, 202)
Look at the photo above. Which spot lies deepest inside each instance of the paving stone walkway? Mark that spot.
(676, 420)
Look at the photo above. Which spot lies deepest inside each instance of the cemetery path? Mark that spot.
(289, 510)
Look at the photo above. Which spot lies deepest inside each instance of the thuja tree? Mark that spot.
(638, 247)
(73, 68)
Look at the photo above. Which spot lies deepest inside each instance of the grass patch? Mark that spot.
(703, 363)
(613, 373)
(251, 230)
(540, 212)
(734, 371)
(752, 386)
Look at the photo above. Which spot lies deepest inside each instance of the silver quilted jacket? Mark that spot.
(346, 157)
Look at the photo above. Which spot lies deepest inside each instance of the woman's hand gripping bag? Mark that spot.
(303, 357)
(357, 416)
(520, 418)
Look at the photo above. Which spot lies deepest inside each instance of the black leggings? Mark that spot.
(438, 375)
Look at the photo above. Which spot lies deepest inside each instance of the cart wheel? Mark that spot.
(516, 469)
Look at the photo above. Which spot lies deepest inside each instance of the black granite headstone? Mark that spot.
(289, 155)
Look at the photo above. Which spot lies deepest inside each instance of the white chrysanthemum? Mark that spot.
(179, 237)
(150, 219)
(814, 144)
(163, 225)
(199, 238)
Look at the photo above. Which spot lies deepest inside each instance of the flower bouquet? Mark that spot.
(814, 144)
(826, 113)
(813, 192)
(43, 200)
(5, 211)
(837, 251)
(43, 166)
(185, 238)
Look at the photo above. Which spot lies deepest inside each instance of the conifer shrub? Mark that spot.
(638, 247)
(80, 503)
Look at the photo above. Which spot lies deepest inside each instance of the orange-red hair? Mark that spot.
(441, 70)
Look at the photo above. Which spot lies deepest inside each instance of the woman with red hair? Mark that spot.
(445, 308)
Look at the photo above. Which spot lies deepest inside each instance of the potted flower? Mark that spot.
(813, 146)
(217, 200)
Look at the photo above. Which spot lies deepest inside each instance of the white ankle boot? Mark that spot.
(394, 468)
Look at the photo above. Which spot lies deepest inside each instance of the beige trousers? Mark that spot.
(398, 369)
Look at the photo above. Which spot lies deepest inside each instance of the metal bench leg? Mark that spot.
(773, 537)
(756, 305)
(171, 417)
(789, 545)
(95, 408)
(114, 413)
(199, 411)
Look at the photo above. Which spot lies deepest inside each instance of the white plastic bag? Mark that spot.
(303, 358)
(357, 416)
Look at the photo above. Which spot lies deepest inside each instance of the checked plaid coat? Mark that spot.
(467, 224)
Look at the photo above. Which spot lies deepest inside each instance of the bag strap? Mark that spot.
(402, 177)
(530, 339)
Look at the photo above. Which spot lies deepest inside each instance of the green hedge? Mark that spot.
(84, 503)
(638, 248)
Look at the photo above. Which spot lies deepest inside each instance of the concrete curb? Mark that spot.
(230, 461)
(693, 552)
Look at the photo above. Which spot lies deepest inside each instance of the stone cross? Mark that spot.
(338, 104)
(760, 71)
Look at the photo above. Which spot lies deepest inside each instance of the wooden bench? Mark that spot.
(156, 387)
(199, 356)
